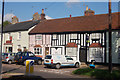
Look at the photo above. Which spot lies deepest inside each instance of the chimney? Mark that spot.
(42, 15)
(89, 12)
(36, 16)
(14, 20)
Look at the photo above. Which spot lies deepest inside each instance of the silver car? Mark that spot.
(8, 57)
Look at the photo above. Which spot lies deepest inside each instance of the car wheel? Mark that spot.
(57, 66)
(39, 62)
(9, 62)
(77, 65)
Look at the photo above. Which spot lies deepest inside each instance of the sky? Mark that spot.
(24, 10)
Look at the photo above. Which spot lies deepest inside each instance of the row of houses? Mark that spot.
(83, 37)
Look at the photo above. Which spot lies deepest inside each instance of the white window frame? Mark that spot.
(73, 36)
(19, 35)
(38, 37)
(38, 52)
(55, 36)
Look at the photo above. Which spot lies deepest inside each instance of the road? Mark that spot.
(42, 72)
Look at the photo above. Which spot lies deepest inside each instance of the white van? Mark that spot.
(60, 60)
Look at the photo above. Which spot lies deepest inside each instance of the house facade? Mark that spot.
(84, 38)
(15, 35)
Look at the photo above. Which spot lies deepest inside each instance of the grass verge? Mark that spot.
(98, 73)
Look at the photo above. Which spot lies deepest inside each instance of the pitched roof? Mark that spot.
(21, 26)
(77, 24)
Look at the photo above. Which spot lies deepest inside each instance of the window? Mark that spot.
(95, 35)
(19, 35)
(55, 36)
(119, 52)
(38, 50)
(31, 54)
(96, 53)
(73, 36)
(38, 37)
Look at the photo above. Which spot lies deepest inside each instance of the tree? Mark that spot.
(5, 23)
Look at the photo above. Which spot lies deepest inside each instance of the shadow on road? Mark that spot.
(23, 77)
(11, 70)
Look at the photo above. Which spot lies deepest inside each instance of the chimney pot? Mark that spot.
(42, 15)
(86, 7)
(42, 11)
(70, 15)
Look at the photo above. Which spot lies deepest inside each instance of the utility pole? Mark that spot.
(110, 38)
(1, 40)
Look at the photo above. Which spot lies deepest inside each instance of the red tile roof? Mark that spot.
(77, 24)
(71, 45)
(95, 45)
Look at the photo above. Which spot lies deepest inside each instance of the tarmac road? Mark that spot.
(43, 73)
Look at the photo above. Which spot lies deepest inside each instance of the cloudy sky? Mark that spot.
(24, 10)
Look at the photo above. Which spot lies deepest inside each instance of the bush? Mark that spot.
(98, 73)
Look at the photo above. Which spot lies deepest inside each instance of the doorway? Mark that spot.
(82, 55)
(9, 49)
(46, 51)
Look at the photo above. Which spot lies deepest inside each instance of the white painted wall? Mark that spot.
(23, 41)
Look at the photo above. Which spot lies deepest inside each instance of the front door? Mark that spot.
(9, 49)
(46, 51)
(82, 55)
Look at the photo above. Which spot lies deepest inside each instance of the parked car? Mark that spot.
(21, 57)
(60, 60)
(8, 57)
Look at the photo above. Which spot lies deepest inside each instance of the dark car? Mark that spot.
(21, 57)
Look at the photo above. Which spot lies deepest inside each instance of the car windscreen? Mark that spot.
(48, 57)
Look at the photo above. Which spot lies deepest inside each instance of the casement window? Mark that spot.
(19, 35)
(38, 37)
(55, 36)
(73, 36)
(38, 50)
(119, 52)
(95, 35)
(96, 53)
